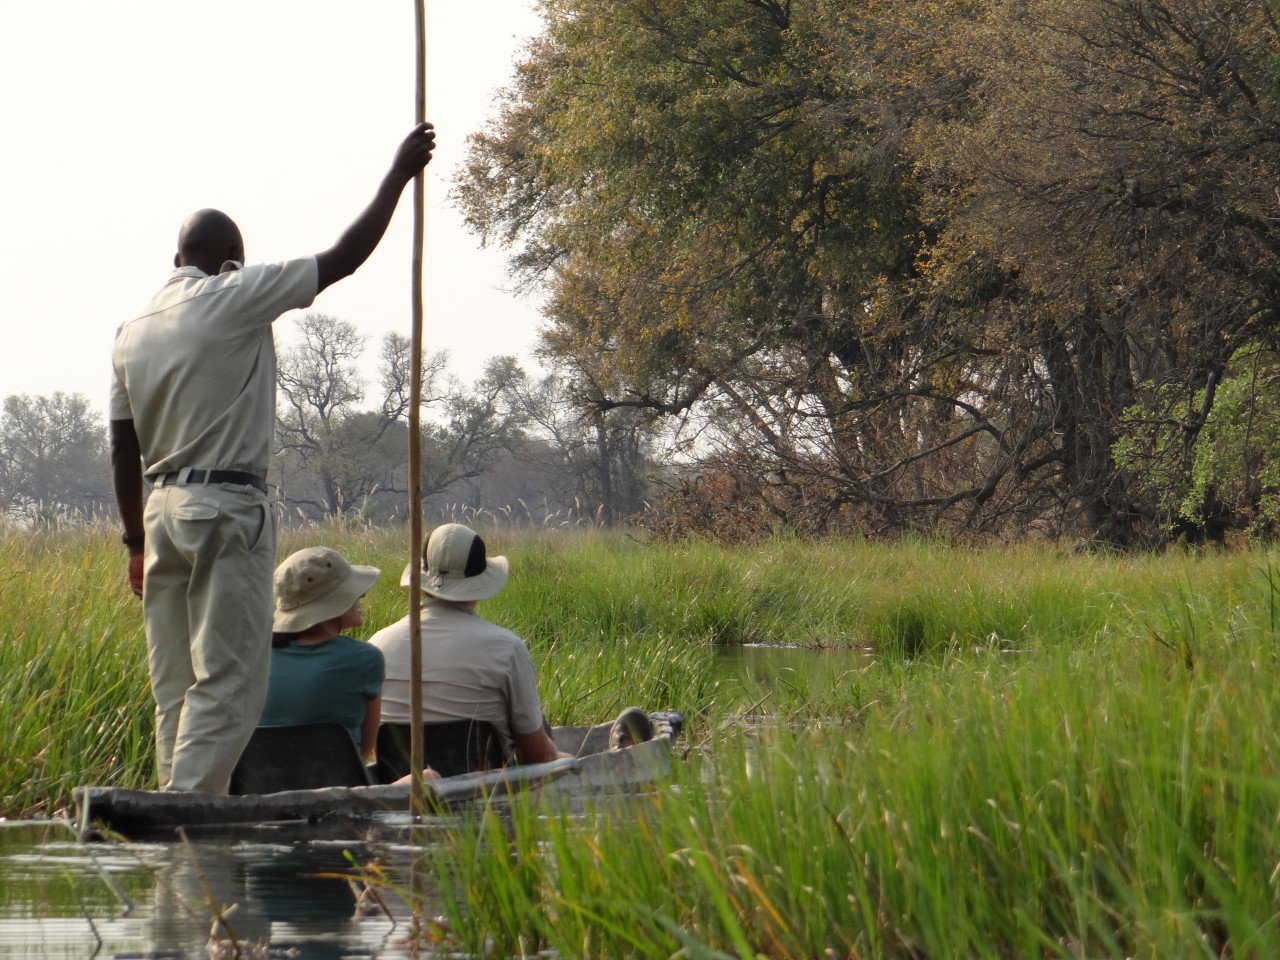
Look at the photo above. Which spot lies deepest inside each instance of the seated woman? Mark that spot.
(318, 673)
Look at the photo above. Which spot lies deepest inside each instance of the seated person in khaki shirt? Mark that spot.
(473, 669)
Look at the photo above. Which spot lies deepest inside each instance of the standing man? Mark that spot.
(192, 408)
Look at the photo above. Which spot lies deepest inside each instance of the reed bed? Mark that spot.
(73, 676)
(1027, 752)
(1116, 797)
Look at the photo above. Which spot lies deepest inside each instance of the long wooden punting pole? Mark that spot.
(415, 435)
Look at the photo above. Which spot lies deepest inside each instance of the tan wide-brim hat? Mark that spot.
(317, 584)
(455, 566)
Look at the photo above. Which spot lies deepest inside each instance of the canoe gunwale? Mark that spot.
(151, 812)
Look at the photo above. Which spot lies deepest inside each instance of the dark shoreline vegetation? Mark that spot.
(1042, 754)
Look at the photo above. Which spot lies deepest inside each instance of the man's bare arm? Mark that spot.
(369, 726)
(126, 481)
(536, 747)
(360, 239)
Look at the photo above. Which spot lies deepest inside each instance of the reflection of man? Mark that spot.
(472, 669)
(291, 898)
(193, 403)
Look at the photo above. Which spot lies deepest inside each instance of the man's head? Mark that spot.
(207, 240)
(455, 567)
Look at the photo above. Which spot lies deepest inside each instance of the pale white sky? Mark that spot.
(120, 119)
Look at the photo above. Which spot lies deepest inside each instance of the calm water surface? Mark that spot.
(815, 670)
(63, 899)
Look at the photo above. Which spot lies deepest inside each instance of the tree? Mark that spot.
(714, 193)
(319, 391)
(601, 457)
(338, 456)
(1116, 181)
(471, 433)
(901, 265)
(335, 456)
(52, 458)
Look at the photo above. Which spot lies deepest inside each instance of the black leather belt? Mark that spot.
(211, 476)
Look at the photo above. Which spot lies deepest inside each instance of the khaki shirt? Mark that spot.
(196, 369)
(474, 670)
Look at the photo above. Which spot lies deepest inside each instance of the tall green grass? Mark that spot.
(1112, 797)
(1031, 753)
(73, 680)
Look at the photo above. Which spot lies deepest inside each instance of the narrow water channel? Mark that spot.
(770, 667)
(280, 895)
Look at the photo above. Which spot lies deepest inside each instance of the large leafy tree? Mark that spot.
(1111, 219)
(906, 262)
(715, 193)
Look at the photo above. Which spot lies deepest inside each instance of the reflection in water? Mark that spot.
(62, 899)
(241, 893)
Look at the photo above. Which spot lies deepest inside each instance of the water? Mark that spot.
(63, 899)
(816, 671)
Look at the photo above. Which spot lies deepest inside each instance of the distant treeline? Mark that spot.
(507, 449)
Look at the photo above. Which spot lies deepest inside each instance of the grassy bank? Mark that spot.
(1097, 802)
(1080, 760)
(1038, 753)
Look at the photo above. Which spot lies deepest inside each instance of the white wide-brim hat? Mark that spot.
(317, 584)
(455, 566)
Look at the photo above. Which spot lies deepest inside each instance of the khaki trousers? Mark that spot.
(210, 556)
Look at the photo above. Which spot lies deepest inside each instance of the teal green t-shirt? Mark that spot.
(313, 682)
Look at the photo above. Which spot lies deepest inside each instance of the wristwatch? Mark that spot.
(132, 542)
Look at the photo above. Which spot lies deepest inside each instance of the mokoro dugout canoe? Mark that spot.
(153, 813)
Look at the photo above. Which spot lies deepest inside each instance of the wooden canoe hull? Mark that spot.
(136, 812)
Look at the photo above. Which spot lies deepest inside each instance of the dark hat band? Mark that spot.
(476, 560)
